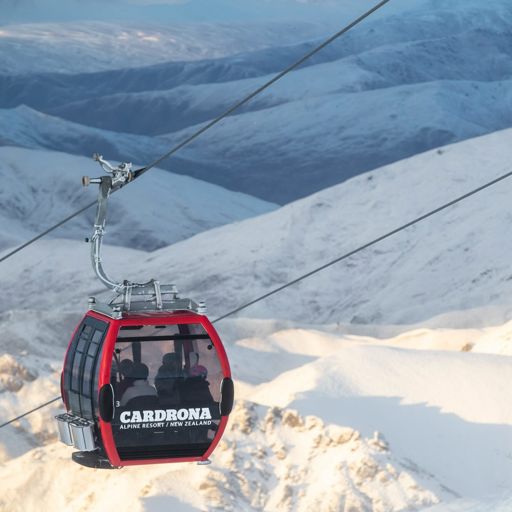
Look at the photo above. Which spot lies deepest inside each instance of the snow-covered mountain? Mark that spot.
(39, 188)
(411, 79)
(456, 260)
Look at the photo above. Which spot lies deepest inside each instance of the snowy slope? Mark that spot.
(364, 388)
(261, 159)
(310, 397)
(337, 136)
(39, 188)
(198, 91)
(26, 127)
(261, 465)
(454, 261)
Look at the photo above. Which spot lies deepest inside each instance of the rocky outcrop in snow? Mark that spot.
(13, 374)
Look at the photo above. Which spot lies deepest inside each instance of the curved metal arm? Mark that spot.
(97, 237)
(120, 176)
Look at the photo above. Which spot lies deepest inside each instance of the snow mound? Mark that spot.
(317, 466)
(302, 434)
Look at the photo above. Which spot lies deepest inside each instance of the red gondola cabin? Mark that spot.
(144, 388)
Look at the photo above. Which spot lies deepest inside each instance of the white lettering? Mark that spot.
(136, 417)
(159, 415)
(148, 416)
(205, 414)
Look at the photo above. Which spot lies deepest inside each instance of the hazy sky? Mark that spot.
(12, 11)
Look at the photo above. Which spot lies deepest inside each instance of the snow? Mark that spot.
(42, 187)
(381, 384)
(451, 263)
(345, 421)
(330, 414)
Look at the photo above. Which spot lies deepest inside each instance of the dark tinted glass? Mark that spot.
(96, 337)
(74, 401)
(167, 389)
(93, 349)
(86, 382)
(79, 368)
(82, 342)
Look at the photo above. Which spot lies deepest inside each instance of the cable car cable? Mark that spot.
(212, 123)
(330, 263)
(49, 230)
(30, 412)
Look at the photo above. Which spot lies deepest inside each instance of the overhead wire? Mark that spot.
(49, 230)
(334, 261)
(212, 123)
(30, 412)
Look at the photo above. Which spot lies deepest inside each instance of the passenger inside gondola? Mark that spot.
(182, 364)
(196, 386)
(196, 390)
(168, 377)
(140, 386)
(125, 381)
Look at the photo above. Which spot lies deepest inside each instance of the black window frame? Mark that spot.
(85, 353)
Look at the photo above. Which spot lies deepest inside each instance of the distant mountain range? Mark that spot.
(403, 82)
(92, 46)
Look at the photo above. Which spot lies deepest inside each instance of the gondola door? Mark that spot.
(166, 379)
